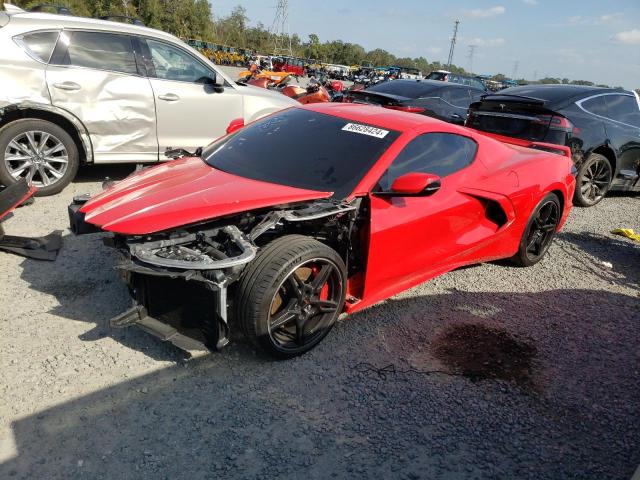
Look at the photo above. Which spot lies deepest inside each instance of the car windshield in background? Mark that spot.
(436, 76)
(302, 149)
(406, 88)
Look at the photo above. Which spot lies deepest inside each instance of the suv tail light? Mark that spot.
(556, 122)
(405, 108)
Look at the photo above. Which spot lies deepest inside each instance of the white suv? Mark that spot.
(78, 90)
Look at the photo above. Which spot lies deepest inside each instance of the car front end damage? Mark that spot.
(182, 281)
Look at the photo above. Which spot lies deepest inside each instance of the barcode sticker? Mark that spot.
(365, 130)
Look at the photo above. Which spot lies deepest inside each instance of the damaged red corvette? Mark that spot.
(283, 225)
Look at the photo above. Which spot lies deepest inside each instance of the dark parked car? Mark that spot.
(600, 125)
(445, 101)
(445, 76)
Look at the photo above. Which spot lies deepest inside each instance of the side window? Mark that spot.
(476, 95)
(623, 108)
(457, 96)
(596, 106)
(39, 44)
(438, 153)
(101, 51)
(477, 83)
(171, 63)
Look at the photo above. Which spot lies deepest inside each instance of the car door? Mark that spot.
(94, 75)
(457, 102)
(417, 237)
(190, 113)
(623, 132)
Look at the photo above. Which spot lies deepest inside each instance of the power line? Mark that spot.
(453, 43)
(472, 51)
(280, 29)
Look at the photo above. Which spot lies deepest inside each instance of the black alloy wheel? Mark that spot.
(305, 303)
(289, 297)
(539, 232)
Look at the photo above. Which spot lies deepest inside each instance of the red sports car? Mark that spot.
(283, 225)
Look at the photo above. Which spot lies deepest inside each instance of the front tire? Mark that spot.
(39, 151)
(593, 181)
(539, 232)
(290, 296)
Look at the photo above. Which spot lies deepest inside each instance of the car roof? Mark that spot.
(425, 81)
(381, 117)
(38, 20)
(553, 93)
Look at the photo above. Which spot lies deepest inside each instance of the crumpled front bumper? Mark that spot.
(139, 316)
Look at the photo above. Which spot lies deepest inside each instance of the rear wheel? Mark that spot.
(593, 180)
(539, 232)
(39, 151)
(291, 295)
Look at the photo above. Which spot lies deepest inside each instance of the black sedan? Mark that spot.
(445, 101)
(600, 125)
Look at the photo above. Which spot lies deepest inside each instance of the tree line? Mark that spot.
(195, 19)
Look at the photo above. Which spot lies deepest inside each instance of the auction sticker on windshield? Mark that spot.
(365, 130)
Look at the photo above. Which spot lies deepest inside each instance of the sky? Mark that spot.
(592, 40)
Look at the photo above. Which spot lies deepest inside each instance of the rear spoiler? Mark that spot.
(547, 147)
(505, 97)
(10, 8)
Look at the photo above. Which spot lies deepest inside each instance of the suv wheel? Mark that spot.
(593, 180)
(39, 151)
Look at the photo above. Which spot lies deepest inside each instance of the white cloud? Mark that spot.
(610, 17)
(630, 37)
(576, 19)
(485, 42)
(531, 2)
(484, 13)
(434, 50)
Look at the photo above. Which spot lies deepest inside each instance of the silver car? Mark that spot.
(78, 90)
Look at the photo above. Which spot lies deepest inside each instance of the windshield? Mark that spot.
(303, 149)
(437, 76)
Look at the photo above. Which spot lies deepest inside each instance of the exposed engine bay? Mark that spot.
(179, 280)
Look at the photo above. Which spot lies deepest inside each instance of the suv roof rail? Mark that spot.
(45, 7)
(123, 19)
(10, 8)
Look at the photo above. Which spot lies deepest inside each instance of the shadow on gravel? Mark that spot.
(87, 289)
(594, 253)
(234, 415)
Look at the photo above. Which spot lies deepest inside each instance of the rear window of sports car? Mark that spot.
(303, 149)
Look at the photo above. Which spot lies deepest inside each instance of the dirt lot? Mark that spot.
(541, 373)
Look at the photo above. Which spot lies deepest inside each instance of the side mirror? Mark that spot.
(414, 184)
(217, 82)
(235, 124)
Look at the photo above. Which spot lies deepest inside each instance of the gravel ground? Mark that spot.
(557, 396)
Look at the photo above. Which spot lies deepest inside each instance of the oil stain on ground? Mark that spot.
(481, 352)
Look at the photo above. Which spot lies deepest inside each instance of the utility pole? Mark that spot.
(453, 43)
(516, 64)
(472, 50)
(280, 28)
